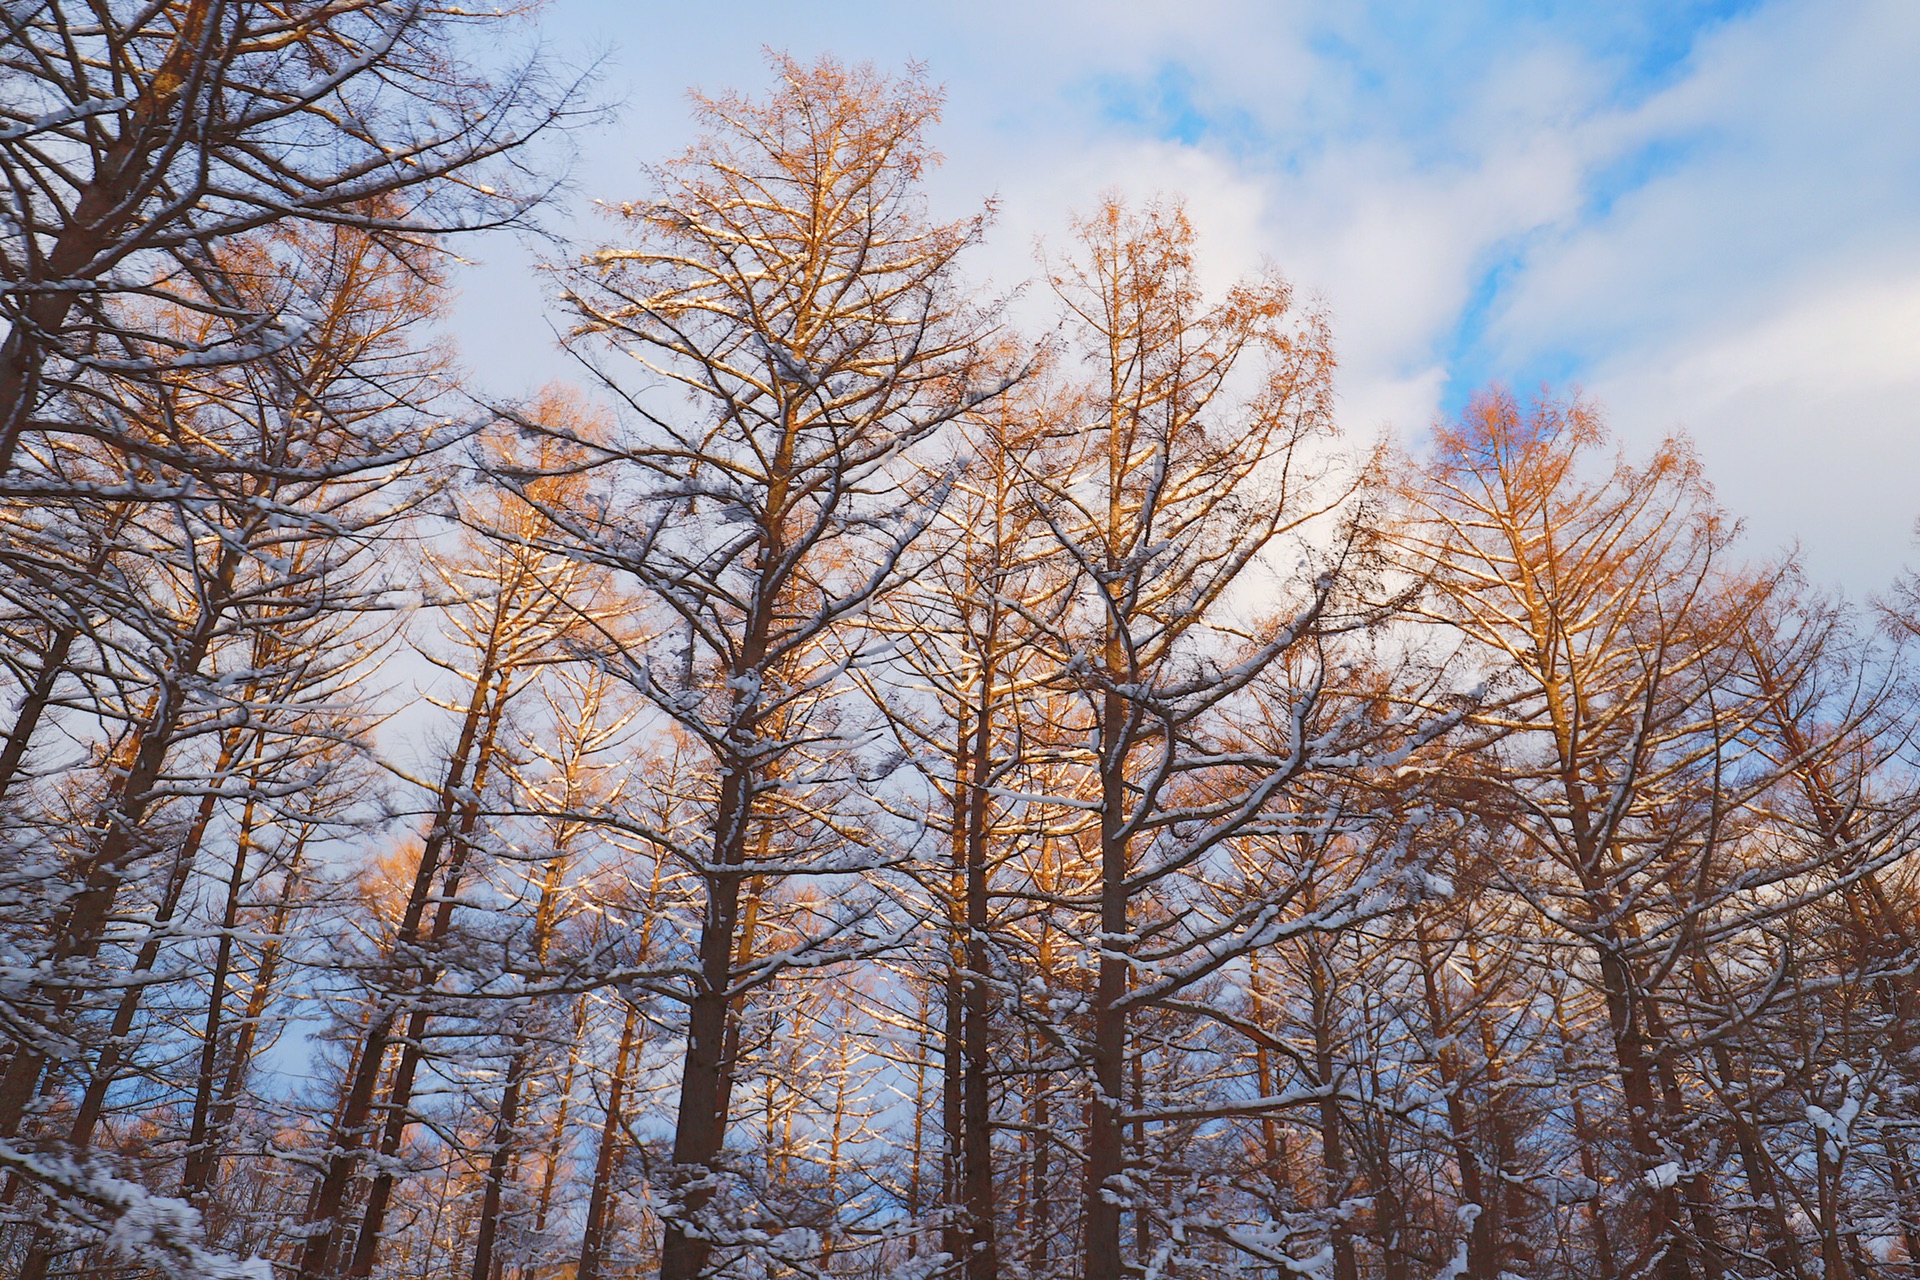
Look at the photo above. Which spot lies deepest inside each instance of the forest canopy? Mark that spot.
(866, 779)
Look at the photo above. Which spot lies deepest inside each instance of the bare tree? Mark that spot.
(1204, 426)
(965, 633)
(787, 283)
(512, 605)
(137, 136)
(1605, 618)
(221, 647)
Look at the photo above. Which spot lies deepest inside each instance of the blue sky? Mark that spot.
(1707, 215)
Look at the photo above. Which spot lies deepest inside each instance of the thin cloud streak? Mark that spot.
(1704, 214)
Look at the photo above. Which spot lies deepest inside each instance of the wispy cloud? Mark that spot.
(1705, 212)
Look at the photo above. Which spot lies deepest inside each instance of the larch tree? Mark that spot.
(221, 647)
(901, 797)
(136, 136)
(511, 606)
(1208, 457)
(803, 330)
(957, 701)
(1604, 614)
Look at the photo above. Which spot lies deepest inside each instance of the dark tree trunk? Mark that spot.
(982, 1262)
(1483, 1250)
(399, 1104)
(700, 1126)
(593, 1240)
(203, 1161)
(326, 1211)
(1106, 1148)
(122, 178)
(81, 922)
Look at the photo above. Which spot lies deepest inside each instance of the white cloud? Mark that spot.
(1808, 416)
(1761, 290)
(1753, 281)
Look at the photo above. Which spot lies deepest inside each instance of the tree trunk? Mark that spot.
(106, 1069)
(107, 206)
(1040, 1261)
(550, 1173)
(204, 1160)
(700, 1126)
(593, 1240)
(325, 1212)
(1337, 1172)
(1483, 1255)
(198, 1149)
(1106, 1151)
(81, 921)
(500, 1149)
(399, 1104)
(955, 1233)
(982, 1262)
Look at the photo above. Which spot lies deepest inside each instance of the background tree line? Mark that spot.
(900, 790)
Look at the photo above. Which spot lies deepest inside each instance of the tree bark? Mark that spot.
(324, 1213)
(982, 1262)
(1106, 1148)
(593, 1239)
(700, 1125)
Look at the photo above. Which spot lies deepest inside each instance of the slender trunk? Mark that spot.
(106, 1070)
(593, 1240)
(324, 1218)
(1586, 1143)
(1272, 1144)
(506, 1127)
(1142, 1177)
(1338, 1178)
(1833, 1258)
(749, 931)
(1482, 1246)
(81, 921)
(836, 1139)
(1626, 1023)
(1106, 1152)
(499, 1159)
(550, 1172)
(399, 1104)
(1389, 1210)
(1665, 1247)
(700, 1126)
(198, 1149)
(1783, 1245)
(1040, 1263)
(204, 1160)
(983, 1262)
(1694, 1188)
(955, 1231)
(1508, 1194)
(917, 1156)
